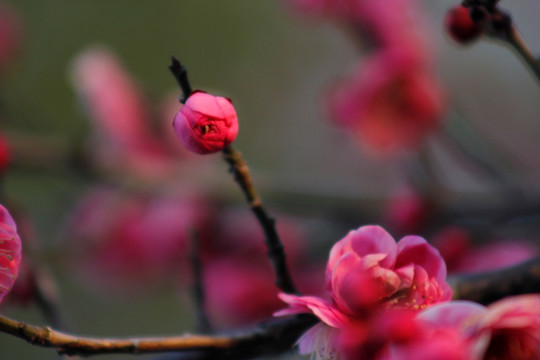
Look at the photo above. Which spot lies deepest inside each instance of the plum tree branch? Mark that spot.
(272, 337)
(242, 176)
(276, 253)
(275, 336)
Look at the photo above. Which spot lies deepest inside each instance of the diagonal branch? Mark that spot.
(276, 253)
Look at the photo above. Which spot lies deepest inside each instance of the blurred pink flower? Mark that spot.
(206, 124)
(367, 272)
(507, 329)
(390, 104)
(10, 252)
(126, 241)
(461, 256)
(514, 323)
(128, 136)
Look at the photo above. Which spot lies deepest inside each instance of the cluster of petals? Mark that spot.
(369, 273)
(128, 136)
(10, 252)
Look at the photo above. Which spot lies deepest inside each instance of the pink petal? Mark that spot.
(311, 304)
(415, 249)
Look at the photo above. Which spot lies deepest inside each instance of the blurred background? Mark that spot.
(277, 65)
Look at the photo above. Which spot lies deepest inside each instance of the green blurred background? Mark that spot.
(275, 65)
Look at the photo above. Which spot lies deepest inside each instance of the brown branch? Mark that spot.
(242, 176)
(488, 287)
(499, 25)
(276, 336)
(276, 253)
(516, 41)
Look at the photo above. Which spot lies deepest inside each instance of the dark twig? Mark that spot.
(488, 287)
(180, 74)
(276, 253)
(518, 44)
(498, 24)
(203, 323)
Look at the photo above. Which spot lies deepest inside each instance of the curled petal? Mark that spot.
(367, 240)
(312, 304)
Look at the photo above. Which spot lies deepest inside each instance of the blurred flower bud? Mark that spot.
(206, 123)
(460, 26)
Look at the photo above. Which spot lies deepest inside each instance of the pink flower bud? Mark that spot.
(206, 123)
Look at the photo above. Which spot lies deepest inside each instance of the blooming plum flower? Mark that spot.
(367, 273)
(206, 123)
(10, 252)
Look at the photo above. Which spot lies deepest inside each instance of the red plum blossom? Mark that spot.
(368, 273)
(206, 123)
(10, 252)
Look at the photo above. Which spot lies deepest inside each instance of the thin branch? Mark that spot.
(518, 44)
(198, 295)
(488, 287)
(242, 176)
(499, 25)
(276, 253)
(180, 74)
(276, 336)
